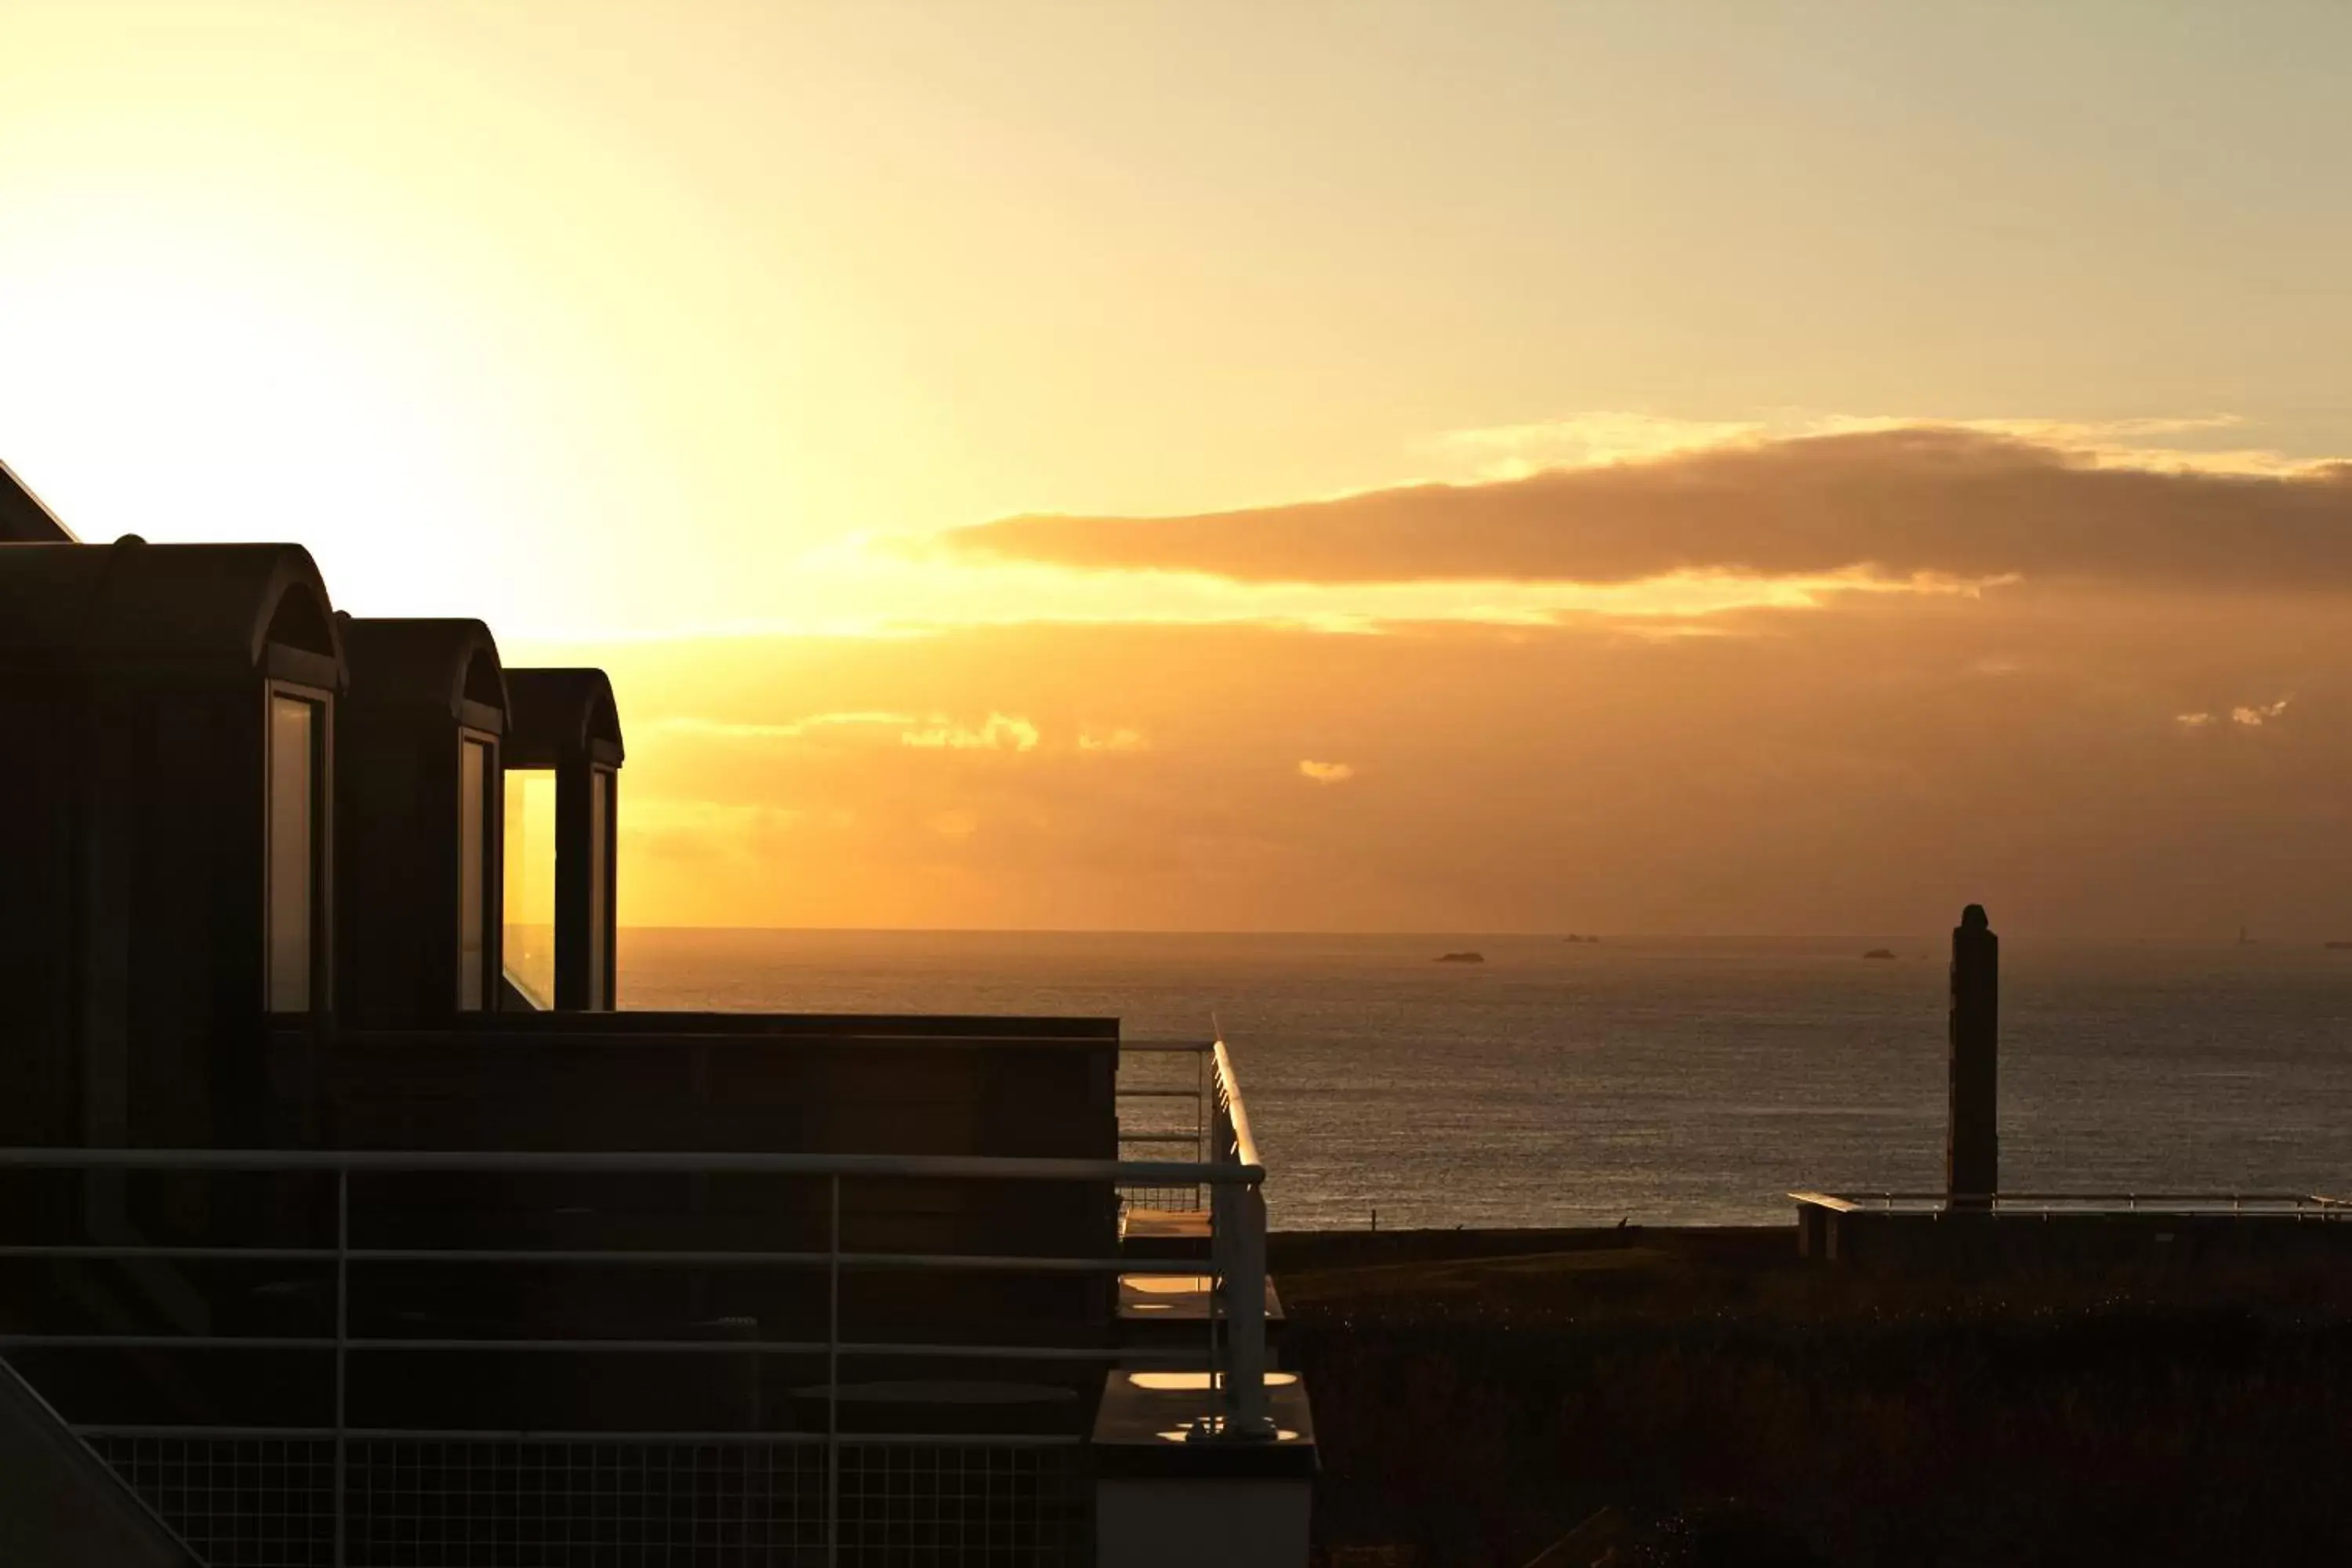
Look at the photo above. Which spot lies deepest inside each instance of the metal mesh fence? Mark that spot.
(1163, 1096)
(475, 1503)
(1185, 1198)
(953, 1504)
(252, 1502)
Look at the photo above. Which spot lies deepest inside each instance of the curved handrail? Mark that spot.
(1229, 1091)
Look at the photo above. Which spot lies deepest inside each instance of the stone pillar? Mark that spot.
(1972, 1137)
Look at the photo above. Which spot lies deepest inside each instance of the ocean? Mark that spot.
(1663, 1082)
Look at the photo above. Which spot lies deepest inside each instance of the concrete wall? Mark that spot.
(2027, 1240)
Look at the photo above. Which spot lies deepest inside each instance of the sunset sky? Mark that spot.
(1677, 467)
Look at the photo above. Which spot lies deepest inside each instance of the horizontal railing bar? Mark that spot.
(1195, 1047)
(2214, 1211)
(946, 1167)
(945, 1261)
(477, 1434)
(578, 1347)
(1159, 1137)
(2315, 1200)
(241, 1254)
(2045, 1210)
(164, 1341)
(661, 1030)
(2114, 1211)
(1160, 1094)
(643, 1257)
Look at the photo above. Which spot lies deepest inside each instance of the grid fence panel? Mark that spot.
(592, 1503)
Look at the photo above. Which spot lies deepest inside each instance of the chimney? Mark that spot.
(1972, 1138)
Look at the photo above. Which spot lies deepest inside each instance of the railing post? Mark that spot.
(1201, 1110)
(1245, 1291)
(1237, 1255)
(343, 1345)
(1224, 1229)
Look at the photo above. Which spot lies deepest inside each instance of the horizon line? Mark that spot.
(2227, 936)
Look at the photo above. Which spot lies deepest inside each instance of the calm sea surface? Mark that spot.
(1673, 1081)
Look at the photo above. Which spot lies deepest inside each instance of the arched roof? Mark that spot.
(134, 601)
(445, 665)
(562, 715)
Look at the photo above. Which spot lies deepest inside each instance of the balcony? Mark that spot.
(369, 1356)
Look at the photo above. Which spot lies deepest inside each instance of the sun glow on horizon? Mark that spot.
(1569, 543)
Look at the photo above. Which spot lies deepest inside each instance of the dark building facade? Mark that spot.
(167, 825)
(418, 774)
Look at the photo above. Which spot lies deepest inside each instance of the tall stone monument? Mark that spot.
(1972, 1136)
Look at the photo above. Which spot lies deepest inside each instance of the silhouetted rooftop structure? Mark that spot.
(422, 727)
(565, 724)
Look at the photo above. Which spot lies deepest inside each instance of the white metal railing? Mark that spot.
(1182, 1083)
(1221, 1137)
(1235, 1360)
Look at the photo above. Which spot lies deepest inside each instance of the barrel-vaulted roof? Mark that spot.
(559, 716)
(443, 665)
(131, 600)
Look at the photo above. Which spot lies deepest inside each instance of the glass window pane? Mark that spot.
(473, 871)
(293, 725)
(529, 915)
(600, 878)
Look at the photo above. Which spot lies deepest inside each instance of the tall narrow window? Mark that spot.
(530, 883)
(293, 854)
(473, 873)
(600, 880)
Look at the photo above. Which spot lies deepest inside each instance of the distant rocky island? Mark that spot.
(2340, 947)
(1880, 953)
(1461, 958)
(1573, 937)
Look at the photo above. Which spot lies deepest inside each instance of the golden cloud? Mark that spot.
(1001, 733)
(1912, 505)
(793, 729)
(2255, 715)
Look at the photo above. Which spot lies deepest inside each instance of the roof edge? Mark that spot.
(24, 518)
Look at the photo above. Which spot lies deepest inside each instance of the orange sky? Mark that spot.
(1696, 468)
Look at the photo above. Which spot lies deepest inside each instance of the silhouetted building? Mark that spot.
(165, 821)
(343, 1217)
(417, 761)
(563, 805)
